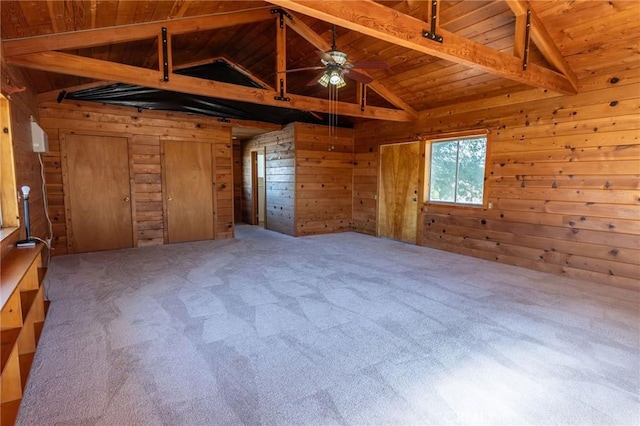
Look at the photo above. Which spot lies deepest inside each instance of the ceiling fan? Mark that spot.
(336, 67)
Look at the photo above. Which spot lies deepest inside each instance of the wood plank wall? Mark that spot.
(279, 178)
(145, 131)
(324, 175)
(564, 179)
(27, 166)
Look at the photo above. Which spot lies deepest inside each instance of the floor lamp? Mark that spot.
(27, 242)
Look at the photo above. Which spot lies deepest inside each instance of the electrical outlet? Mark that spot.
(490, 205)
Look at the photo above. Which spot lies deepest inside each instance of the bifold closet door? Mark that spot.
(98, 193)
(188, 177)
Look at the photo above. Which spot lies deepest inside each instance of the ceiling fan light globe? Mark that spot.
(335, 77)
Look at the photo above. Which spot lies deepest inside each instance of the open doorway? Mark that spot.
(258, 188)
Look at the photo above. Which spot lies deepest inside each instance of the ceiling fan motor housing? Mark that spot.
(339, 58)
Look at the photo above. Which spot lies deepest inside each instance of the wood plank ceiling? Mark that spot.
(581, 32)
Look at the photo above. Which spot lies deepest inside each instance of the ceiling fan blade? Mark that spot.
(315, 79)
(354, 75)
(376, 65)
(325, 56)
(306, 69)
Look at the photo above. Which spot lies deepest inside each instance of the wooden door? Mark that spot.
(258, 188)
(188, 174)
(399, 188)
(98, 193)
(255, 217)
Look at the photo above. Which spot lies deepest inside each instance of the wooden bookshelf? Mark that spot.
(22, 314)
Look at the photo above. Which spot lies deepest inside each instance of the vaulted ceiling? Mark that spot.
(481, 55)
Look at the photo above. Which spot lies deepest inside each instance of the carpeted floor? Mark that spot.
(335, 329)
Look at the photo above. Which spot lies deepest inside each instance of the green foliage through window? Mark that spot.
(457, 171)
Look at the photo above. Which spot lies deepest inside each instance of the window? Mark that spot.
(457, 171)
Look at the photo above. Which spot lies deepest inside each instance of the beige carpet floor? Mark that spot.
(338, 329)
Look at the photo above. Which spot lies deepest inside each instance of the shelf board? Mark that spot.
(26, 300)
(14, 266)
(37, 329)
(8, 338)
(25, 367)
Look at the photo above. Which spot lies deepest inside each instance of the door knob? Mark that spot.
(169, 198)
(126, 199)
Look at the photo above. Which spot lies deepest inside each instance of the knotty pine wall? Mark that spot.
(279, 178)
(308, 179)
(23, 105)
(324, 175)
(564, 179)
(144, 131)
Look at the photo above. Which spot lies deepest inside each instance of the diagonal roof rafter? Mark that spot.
(98, 69)
(541, 38)
(379, 21)
(36, 53)
(321, 44)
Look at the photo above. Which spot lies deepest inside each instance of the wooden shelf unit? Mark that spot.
(22, 315)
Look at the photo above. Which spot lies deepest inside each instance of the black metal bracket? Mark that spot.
(282, 13)
(165, 54)
(431, 35)
(525, 56)
(363, 97)
(282, 97)
(61, 96)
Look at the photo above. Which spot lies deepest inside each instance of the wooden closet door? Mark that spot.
(98, 193)
(188, 174)
(399, 181)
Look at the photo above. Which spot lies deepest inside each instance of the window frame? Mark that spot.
(458, 137)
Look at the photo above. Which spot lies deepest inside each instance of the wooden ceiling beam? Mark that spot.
(232, 64)
(52, 95)
(379, 21)
(543, 41)
(281, 55)
(520, 36)
(321, 44)
(64, 63)
(125, 33)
